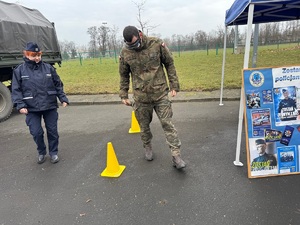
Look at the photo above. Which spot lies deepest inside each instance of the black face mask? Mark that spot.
(134, 45)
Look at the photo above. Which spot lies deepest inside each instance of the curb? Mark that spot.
(102, 99)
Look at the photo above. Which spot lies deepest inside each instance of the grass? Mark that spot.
(197, 70)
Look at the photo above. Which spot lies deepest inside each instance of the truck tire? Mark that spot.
(6, 104)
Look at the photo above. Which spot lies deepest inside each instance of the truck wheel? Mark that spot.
(6, 105)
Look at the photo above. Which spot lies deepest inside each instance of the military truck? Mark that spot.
(19, 25)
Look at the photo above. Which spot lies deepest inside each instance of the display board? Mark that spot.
(272, 120)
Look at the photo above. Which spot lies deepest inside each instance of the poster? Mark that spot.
(272, 120)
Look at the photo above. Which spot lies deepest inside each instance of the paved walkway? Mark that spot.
(209, 191)
(228, 94)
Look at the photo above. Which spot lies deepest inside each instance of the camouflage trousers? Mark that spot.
(163, 110)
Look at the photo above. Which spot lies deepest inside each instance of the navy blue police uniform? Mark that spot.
(36, 87)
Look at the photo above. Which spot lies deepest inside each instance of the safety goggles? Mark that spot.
(134, 45)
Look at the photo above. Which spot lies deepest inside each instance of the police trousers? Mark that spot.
(163, 110)
(34, 122)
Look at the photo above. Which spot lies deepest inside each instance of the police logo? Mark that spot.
(287, 133)
(256, 79)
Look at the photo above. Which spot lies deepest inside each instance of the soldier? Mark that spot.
(144, 58)
(35, 89)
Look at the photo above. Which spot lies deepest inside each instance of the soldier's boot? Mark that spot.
(178, 162)
(148, 152)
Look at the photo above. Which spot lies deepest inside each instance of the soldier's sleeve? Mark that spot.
(167, 60)
(124, 71)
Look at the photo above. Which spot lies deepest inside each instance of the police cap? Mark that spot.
(260, 142)
(32, 47)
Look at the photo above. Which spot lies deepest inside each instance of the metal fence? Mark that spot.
(176, 50)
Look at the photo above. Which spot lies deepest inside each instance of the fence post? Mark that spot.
(206, 49)
(80, 59)
(116, 56)
(178, 49)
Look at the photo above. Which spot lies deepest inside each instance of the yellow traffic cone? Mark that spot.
(135, 127)
(113, 169)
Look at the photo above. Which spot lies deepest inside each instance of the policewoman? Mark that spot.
(35, 89)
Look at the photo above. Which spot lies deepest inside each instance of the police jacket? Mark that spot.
(146, 67)
(36, 86)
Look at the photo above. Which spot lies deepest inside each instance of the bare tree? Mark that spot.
(113, 38)
(201, 38)
(92, 31)
(292, 30)
(212, 39)
(220, 35)
(145, 26)
(63, 50)
(68, 49)
(231, 36)
(103, 39)
(72, 49)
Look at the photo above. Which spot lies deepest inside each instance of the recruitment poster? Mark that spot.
(272, 120)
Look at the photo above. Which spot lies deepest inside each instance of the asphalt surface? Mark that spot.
(211, 190)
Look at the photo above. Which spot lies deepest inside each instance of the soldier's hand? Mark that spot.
(23, 111)
(173, 93)
(64, 104)
(126, 102)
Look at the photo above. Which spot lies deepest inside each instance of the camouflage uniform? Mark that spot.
(150, 87)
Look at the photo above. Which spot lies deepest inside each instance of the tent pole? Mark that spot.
(249, 34)
(223, 66)
(237, 161)
(255, 45)
(236, 38)
(246, 62)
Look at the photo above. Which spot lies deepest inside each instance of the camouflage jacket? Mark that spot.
(146, 68)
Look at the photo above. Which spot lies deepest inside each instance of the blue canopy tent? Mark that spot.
(249, 12)
(264, 11)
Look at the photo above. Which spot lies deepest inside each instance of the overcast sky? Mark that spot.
(72, 18)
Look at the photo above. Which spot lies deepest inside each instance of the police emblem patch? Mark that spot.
(256, 79)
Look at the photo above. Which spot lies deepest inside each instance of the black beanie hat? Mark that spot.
(129, 32)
